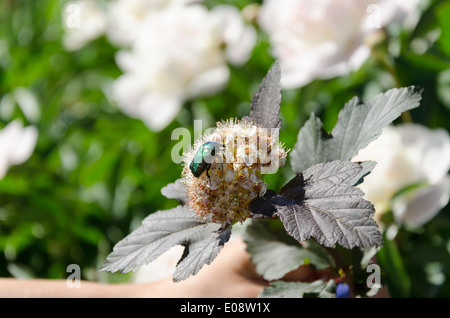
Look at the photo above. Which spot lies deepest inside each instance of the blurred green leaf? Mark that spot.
(442, 14)
(390, 261)
(275, 254)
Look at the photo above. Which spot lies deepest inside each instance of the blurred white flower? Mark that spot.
(321, 39)
(238, 37)
(408, 155)
(83, 21)
(125, 17)
(172, 50)
(27, 102)
(180, 52)
(162, 267)
(16, 145)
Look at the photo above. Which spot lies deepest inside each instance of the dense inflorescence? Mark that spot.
(235, 176)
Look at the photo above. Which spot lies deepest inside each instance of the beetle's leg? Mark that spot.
(207, 174)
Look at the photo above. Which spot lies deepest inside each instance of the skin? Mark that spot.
(230, 275)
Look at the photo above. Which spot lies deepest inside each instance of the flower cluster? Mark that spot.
(235, 176)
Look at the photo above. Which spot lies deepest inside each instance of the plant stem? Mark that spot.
(384, 59)
(342, 265)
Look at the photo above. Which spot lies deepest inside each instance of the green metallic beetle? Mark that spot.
(203, 158)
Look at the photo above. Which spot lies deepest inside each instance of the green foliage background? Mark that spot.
(96, 173)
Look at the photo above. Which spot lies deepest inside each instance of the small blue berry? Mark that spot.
(342, 290)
